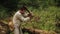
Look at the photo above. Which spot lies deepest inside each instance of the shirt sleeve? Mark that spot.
(22, 18)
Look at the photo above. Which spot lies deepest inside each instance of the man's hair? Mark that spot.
(23, 8)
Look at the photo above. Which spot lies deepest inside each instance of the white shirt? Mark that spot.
(18, 17)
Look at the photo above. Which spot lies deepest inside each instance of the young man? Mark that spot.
(19, 17)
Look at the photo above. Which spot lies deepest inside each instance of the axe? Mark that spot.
(28, 11)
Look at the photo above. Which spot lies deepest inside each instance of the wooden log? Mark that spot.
(37, 31)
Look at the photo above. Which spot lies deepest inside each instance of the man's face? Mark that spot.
(22, 11)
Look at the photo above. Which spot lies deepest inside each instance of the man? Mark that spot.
(19, 17)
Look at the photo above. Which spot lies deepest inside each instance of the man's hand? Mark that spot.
(30, 15)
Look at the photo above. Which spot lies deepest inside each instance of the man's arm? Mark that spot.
(22, 18)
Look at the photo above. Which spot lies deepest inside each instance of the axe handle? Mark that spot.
(28, 11)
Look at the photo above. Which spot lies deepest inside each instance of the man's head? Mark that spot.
(23, 9)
